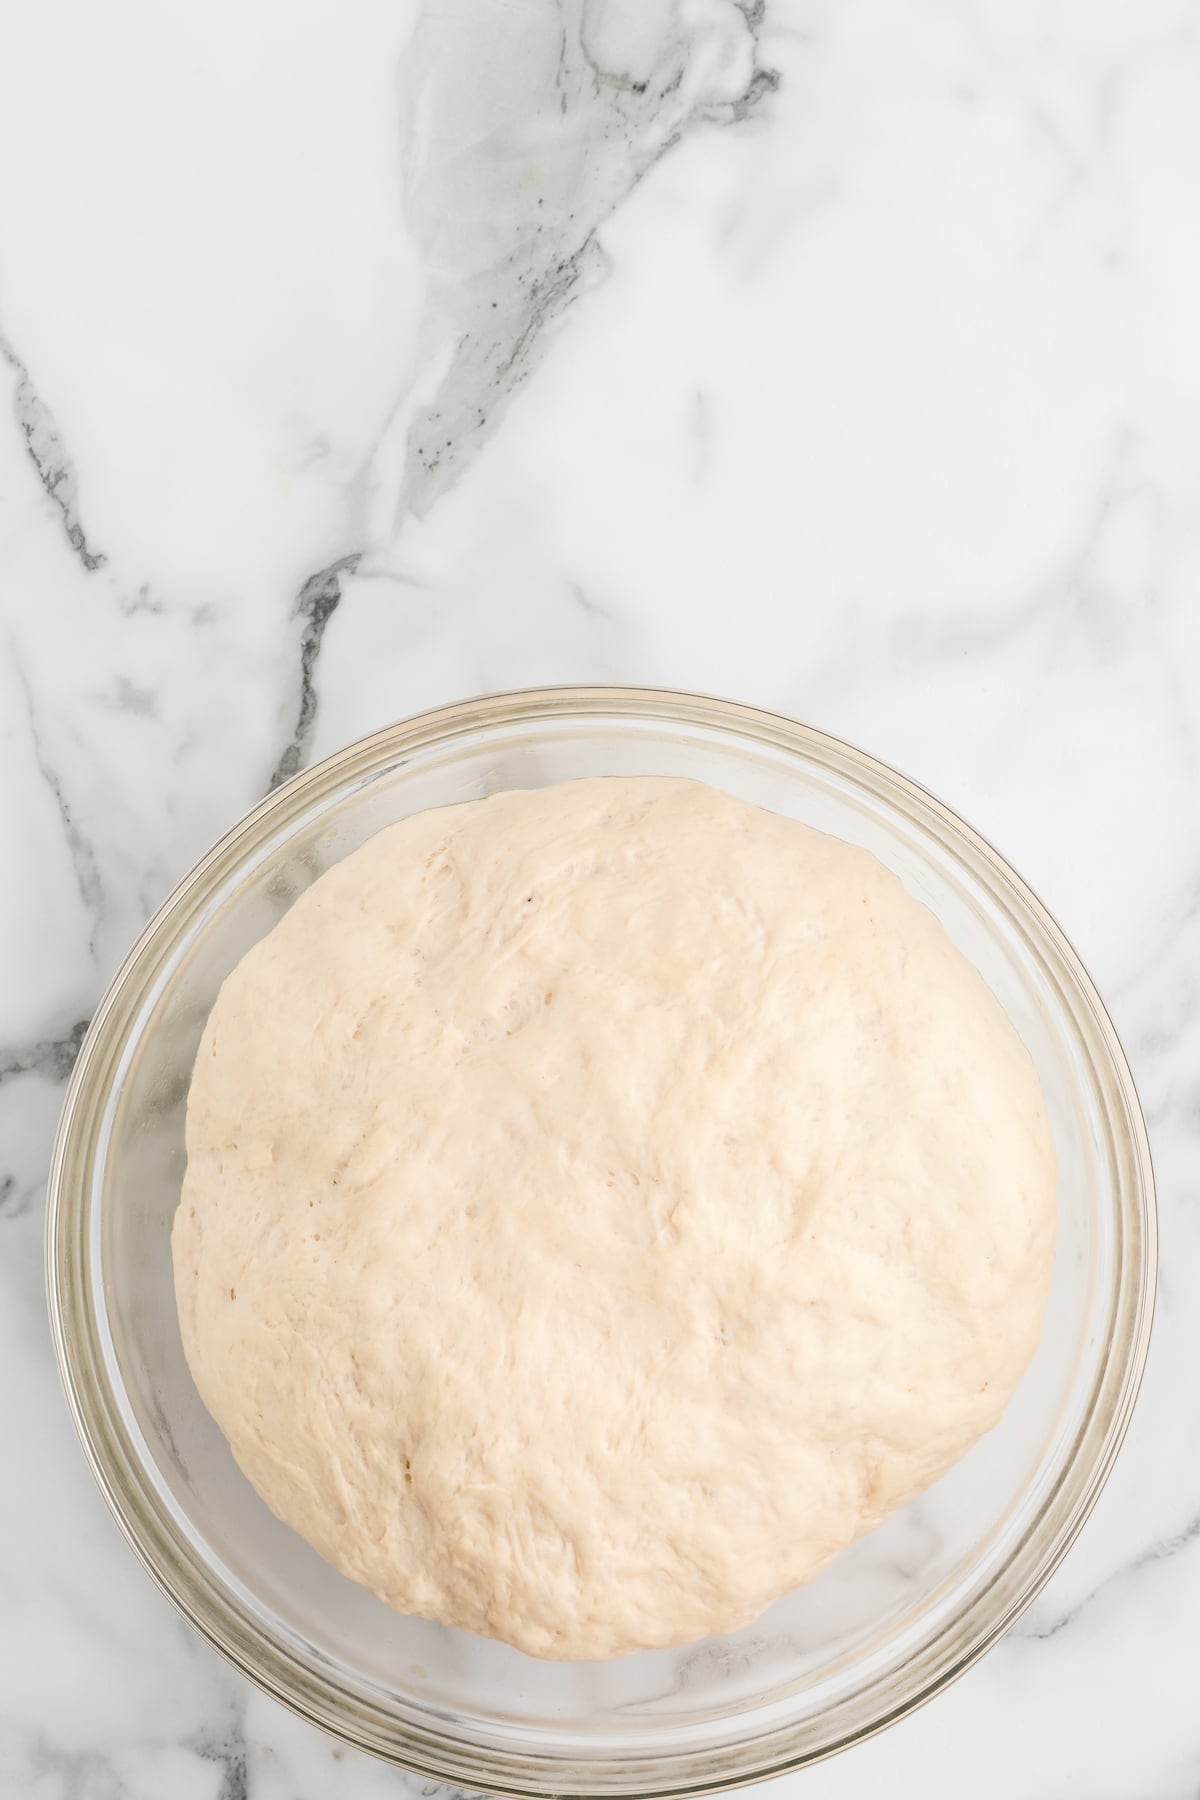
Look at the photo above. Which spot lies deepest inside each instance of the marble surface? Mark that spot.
(833, 354)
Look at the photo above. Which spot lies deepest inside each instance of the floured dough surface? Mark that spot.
(603, 1205)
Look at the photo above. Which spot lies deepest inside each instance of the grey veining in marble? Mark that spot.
(839, 357)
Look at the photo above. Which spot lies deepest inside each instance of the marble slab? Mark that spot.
(836, 355)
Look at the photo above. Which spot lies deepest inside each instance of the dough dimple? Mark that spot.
(603, 1205)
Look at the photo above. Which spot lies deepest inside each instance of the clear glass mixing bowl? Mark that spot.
(896, 1617)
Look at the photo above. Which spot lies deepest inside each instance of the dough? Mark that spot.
(603, 1205)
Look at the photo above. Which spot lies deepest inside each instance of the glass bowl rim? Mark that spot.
(204, 1601)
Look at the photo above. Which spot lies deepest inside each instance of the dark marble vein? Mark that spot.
(610, 134)
(1162, 1550)
(52, 1057)
(226, 1745)
(235, 1781)
(18, 1198)
(47, 452)
(598, 131)
(83, 856)
(316, 604)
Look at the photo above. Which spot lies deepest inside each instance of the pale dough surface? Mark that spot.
(603, 1205)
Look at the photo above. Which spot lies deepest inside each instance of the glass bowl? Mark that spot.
(896, 1617)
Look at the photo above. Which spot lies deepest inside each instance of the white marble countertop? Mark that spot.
(832, 354)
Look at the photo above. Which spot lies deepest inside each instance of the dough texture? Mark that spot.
(603, 1205)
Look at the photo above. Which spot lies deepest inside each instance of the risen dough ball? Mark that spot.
(603, 1205)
